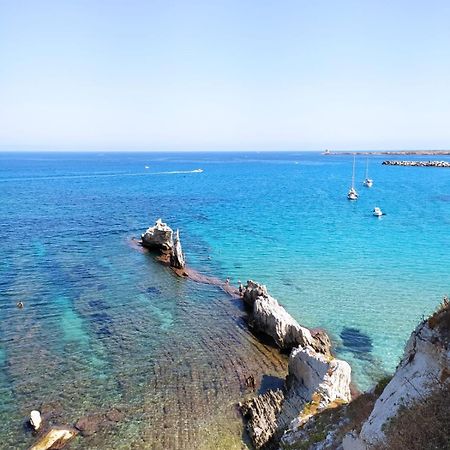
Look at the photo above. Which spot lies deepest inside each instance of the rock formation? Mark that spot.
(177, 257)
(35, 419)
(261, 415)
(54, 438)
(267, 316)
(160, 237)
(315, 379)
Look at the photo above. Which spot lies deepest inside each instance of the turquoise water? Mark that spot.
(104, 326)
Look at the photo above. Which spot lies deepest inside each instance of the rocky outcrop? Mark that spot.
(314, 383)
(35, 419)
(54, 439)
(424, 367)
(261, 415)
(417, 163)
(161, 238)
(267, 316)
(177, 257)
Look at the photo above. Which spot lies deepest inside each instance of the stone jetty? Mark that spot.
(417, 163)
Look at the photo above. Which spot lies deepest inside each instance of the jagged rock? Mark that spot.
(269, 317)
(314, 382)
(160, 237)
(261, 413)
(35, 419)
(55, 438)
(330, 378)
(177, 257)
(425, 366)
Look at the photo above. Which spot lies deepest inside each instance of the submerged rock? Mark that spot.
(35, 419)
(160, 237)
(55, 438)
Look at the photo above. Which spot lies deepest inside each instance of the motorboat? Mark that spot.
(377, 212)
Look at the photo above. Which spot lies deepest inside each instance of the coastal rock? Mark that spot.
(317, 374)
(35, 419)
(159, 236)
(267, 316)
(314, 383)
(177, 257)
(261, 413)
(56, 438)
(425, 366)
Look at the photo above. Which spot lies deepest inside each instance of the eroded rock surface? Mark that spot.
(160, 237)
(267, 316)
(261, 414)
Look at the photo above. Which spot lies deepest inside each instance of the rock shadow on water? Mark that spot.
(357, 342)
(270, 382)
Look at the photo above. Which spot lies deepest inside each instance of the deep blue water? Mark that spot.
(100, 316)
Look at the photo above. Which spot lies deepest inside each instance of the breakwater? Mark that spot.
(417, 163)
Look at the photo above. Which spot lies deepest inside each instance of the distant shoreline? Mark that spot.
(396, 152)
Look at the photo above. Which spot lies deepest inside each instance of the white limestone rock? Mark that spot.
(35, 419)
(159, 236)
(269, 317)
(330, 378)
(177, 256)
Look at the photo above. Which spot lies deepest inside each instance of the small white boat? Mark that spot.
(146, 167)
(197, 171)
(368, 182)
(377, 212)
(352, 194)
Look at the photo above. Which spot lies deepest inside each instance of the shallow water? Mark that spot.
(104, 326)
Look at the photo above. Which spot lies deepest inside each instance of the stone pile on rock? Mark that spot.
(417, 163)
(161, 238)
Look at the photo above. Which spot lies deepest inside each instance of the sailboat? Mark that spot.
(352, 194)
(368, 182)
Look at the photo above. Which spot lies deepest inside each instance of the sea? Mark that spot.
(109, 335)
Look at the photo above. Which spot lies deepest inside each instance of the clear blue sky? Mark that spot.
(225, 75)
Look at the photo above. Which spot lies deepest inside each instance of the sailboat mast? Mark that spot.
(367, 168)
(353, 174)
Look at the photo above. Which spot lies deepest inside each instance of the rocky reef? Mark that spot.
(417, 163)
(315, 381)
(161, 238)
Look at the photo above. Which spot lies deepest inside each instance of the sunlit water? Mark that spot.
(105, 327)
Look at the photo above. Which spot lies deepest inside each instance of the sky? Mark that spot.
(224, 75)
